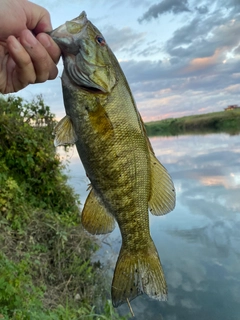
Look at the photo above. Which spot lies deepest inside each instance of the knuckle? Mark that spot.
(42, 76)
(26, 74)
(27, 79)
(26, 62)
(32, 79)
(41, 66)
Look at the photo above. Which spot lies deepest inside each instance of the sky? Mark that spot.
(180, 57)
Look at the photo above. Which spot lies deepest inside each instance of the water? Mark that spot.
(199, 242)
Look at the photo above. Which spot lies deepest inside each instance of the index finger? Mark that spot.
(44, 66)
(38, 18)
(50, 45)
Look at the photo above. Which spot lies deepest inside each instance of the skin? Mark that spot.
(27, 54)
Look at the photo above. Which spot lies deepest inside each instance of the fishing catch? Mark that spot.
(126, 177)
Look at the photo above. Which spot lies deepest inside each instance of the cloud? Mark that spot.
(203, 35)
(237, 50)
(234, 89)
(196, 39)
(231, 4)
(202, 9)
(166, 6)
(129, 42)
(117, 3)
(150, 50)
(206, 62)
(123, 39)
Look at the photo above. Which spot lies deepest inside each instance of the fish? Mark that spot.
(127, 180)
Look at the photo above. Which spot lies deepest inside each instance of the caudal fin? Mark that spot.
(137, 273)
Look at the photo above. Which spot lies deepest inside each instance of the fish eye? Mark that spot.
(100, 40)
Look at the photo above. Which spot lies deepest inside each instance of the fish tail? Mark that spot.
(137, 273)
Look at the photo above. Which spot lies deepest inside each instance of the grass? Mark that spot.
(215, 122)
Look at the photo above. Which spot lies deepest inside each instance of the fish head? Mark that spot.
(88, 61)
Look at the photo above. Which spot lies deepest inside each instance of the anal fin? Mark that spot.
(95, 217)
(162, 198)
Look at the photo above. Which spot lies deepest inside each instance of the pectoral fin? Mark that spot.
(64, 132)
(162, 199)
(95, 217)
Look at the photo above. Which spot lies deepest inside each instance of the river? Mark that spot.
(198, 242)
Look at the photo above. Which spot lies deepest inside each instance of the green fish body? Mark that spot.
(126, 177)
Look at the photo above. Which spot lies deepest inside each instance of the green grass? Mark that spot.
(216, 122)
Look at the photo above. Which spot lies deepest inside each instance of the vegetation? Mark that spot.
(224, 121)
(45, 256)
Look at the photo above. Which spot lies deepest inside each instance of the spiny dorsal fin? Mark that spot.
(162, 198)
(95, 217)
(64, 132)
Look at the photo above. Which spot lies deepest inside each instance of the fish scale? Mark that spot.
(126, 178)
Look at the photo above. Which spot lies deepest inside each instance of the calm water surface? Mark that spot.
(199, 242)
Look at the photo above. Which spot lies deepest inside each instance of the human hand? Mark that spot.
(27, 54)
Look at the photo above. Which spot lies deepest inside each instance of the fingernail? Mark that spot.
(44, 39)
(29, 38)
(14, 43)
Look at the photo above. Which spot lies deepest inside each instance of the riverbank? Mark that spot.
(223, 121)
(46, 267)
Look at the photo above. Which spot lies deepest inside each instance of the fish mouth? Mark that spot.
(93, 90)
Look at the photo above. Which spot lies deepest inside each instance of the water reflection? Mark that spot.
(199, 242)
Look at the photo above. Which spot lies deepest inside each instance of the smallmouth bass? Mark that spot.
(126, 177)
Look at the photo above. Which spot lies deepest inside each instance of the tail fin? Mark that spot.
(137, 273)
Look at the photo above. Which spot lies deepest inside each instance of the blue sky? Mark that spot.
(180, 57)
